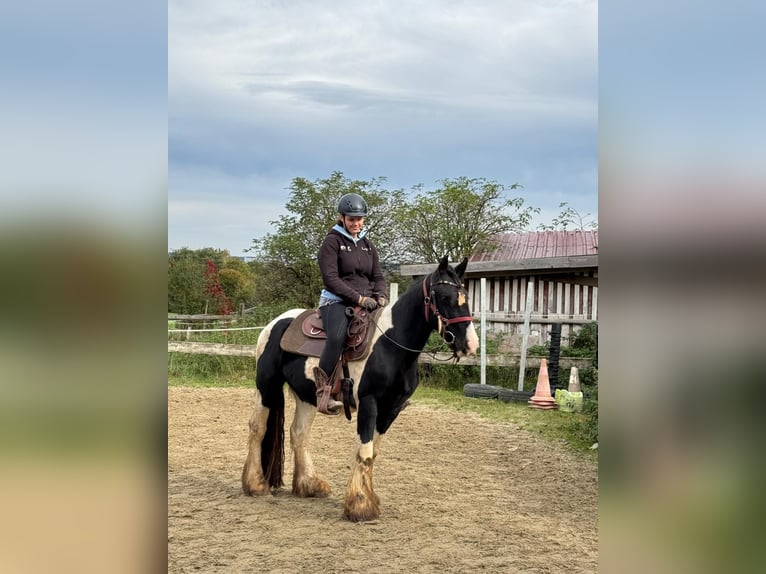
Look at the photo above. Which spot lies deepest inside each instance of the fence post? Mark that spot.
(525, 335)
(483, 342)
(393, 292)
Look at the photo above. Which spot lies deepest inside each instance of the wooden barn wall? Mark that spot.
(554, 301)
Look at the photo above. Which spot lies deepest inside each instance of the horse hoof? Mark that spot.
(252, 485)
(311, 488)
(361, 509)
(261, 489)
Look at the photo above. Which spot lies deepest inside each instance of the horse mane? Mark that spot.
(410, 328)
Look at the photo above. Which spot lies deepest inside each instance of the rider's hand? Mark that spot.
(381, 299)
(368, 303)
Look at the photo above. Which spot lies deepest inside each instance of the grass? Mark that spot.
(552, 425)
(229, 380)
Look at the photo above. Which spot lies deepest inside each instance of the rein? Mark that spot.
(419, 351)
(443, 322)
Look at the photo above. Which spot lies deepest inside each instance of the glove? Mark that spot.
(368, 303)
(381, 299)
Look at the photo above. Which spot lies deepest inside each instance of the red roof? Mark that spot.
(539, 244)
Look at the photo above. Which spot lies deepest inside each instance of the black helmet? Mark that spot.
(352, 204)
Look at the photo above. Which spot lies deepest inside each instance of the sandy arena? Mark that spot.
(458, 494)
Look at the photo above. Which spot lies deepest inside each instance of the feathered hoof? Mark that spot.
(253, 487)
(311, 487)
(360, 508)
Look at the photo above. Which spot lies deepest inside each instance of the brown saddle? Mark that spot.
(306, 335)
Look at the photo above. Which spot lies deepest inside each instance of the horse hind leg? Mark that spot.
(263, 466)
(306, 482)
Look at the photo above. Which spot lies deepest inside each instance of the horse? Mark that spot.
(383, 383)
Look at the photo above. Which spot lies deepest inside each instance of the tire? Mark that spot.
(479, 391)
(510, 395)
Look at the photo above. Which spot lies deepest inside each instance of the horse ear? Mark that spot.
(460, 269)
(444, 263)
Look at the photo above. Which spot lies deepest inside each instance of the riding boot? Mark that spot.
(325, 403)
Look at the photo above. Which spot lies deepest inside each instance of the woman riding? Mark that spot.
(352, 277)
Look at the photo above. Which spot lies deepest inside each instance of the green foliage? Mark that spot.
(586, 428)
(571, 352)
(570, 217)
(186, 279)
(237, 286)
(189, 288)
(190, 365)
(286, 266)
(459, 218)
(587, 338)
(584, 344)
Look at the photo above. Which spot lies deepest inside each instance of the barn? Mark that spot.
(558, 268)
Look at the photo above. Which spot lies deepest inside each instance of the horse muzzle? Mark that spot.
(464, 344)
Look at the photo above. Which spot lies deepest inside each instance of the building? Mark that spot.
(559, 267)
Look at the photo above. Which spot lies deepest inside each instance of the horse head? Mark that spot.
(447, 299)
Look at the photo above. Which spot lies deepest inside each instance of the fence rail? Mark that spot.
(437, 358)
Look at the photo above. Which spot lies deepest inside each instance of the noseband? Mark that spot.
(430, 307)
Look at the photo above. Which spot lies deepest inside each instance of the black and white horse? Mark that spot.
(382, 384)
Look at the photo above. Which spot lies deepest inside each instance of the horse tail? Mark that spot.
(273, 445)
(270, 382)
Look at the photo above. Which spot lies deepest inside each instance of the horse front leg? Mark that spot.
(306, 482)
(253, 480)
(361, 503)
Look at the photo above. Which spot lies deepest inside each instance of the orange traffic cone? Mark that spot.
(542, 398)
(574, 381)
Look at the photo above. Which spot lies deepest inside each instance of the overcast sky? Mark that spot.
(262, 92)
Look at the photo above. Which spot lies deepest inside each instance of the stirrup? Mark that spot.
(326, 404)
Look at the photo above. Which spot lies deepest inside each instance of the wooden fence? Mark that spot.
(505, 360)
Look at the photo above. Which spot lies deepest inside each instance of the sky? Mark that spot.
(262, 92)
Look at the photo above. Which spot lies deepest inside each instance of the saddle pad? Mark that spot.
(295, 340)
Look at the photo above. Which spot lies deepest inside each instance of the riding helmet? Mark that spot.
(352, 204)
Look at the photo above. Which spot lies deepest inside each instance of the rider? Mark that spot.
(352, 277)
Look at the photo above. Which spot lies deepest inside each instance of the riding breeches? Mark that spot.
(335, 324)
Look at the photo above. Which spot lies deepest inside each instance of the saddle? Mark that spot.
(306, 335)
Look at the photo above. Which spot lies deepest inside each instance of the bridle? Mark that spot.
(429, 302)
(430, 307)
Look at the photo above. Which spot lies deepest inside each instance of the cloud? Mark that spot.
(414, 92)
(214, 209)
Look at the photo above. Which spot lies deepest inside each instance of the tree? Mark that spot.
(214, 290)
(459, 218)
(286, 260)
(186, 277)
(569, 216)
(188, 284)
(237, 281)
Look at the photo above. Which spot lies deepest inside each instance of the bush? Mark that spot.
(587, 338)
(587, 429)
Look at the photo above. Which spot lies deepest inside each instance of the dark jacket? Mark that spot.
(350, 270)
